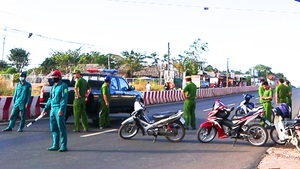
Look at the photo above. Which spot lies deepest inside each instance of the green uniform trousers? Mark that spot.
(268, 112)
(58, 128)
(14, 115)
(189, 113)
(80, 113)
(104, 116)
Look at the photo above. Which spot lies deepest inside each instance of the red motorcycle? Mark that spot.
(238, 127)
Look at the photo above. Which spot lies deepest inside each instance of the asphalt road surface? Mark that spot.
(104, 149)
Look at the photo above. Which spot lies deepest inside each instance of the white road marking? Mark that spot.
(98, 133)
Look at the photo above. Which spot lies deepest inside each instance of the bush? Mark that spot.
(6, 89)
(140, 85)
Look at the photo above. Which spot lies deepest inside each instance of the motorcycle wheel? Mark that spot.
(128, 130)
(257, 135)
(275, 138)
(177, 128)
(239, 111)
(206, 134)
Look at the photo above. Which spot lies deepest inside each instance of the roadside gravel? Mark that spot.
(281, 157)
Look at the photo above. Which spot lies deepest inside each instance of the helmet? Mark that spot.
(107, 79)
(282, 110)
(23, 74)
(56, 73)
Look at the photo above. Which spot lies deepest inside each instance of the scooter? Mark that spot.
(169, 124)
(285, 130)
(245, 105)
(239, 127)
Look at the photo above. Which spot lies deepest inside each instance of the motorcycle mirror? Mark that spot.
(232, 108)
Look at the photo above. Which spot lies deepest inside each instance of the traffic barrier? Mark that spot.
(159, 97)
(6, 105)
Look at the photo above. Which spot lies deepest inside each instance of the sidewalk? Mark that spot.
(281, 157)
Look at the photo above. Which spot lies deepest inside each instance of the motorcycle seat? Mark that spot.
(291, 122)
(163, 115)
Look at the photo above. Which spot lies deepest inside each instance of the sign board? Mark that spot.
(196, 79)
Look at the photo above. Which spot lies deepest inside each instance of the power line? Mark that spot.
(30, 34)
(204, 7)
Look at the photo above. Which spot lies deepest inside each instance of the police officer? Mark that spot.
(267, 97)
(261, 90)
(82, 90)
(281, 92)
(58, 102)
(104, 103)
(21, 100)
(189, 93)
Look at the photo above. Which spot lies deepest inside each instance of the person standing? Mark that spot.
(58, 102)
(189, 93)
(82, 90)
(281, 92)
(289, 98)
(148, 87)
(104, 103)
(261, 90)
(267, 97)
(21, 100)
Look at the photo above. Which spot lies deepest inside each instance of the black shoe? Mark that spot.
(7, 129)
(87, 130)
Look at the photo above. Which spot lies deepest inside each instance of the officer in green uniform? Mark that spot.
(82, 90)
(282, 92)
(21, 100)
(267, 97)
(58, 101)
(289, 98)
(261, 90)
(189, 93)
(104, 103)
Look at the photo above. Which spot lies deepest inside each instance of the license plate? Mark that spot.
(182, 120)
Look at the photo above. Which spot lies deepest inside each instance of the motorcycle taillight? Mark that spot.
(297, 127)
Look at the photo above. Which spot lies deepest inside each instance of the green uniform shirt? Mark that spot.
(22, 94)
(82, 86)
(261, 92)
(267, 93)
(190, 90)
(58, 96)
(282, 93)
(105, 91)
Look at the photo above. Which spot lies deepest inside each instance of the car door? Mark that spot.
(127, 96)
(116, 96)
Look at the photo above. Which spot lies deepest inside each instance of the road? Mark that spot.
(104, 149)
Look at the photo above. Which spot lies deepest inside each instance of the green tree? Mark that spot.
(133, 62)
(19, 58)
(3, 65)
(192, 57)
(263, 70)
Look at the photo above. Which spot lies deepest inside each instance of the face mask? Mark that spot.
(22, 79)
(56, 79)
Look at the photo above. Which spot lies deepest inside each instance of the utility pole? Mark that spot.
(227, 72)
(4, 36)
(168, 59)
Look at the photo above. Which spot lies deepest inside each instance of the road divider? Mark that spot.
(6, 105)
(159, 97)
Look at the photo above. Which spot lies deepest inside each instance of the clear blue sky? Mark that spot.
(247, 32)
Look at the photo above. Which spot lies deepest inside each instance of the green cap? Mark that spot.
(77, 71)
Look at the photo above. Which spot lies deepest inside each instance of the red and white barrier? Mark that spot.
(6, 107)
(159, 97)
